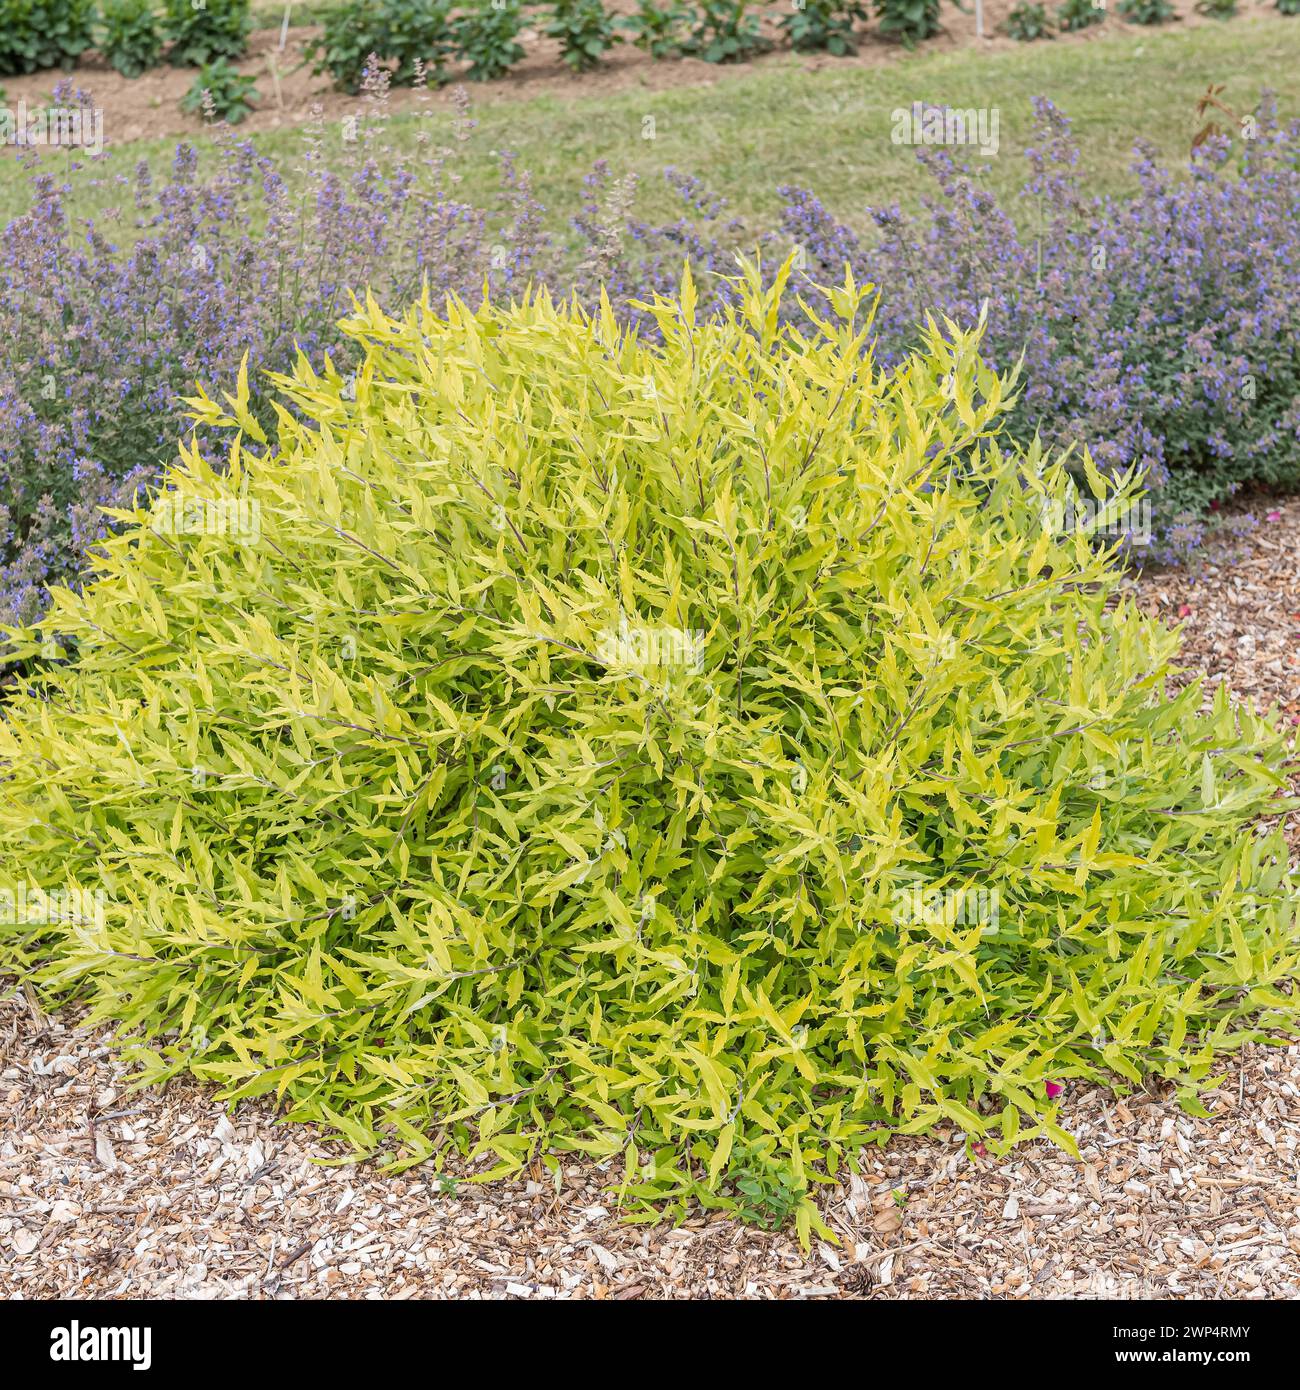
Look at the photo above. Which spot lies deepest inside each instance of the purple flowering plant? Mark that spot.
(1159, 330)
(105, 327)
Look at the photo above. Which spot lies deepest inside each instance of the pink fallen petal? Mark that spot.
(1274, 516)
(1054, 1089)
(1184, 610)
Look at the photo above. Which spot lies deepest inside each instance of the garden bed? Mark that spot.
(109, 1192)
(105, 1193)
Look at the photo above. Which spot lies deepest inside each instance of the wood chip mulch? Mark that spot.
(1241, 611)
(107, 1193)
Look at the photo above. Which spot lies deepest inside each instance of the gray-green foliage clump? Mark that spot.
(712, 756)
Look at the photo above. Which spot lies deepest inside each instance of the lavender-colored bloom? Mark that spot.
(1159, 330)
(104, 327)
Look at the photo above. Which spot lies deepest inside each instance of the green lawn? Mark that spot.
(753, 129)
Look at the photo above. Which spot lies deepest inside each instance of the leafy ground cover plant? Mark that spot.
(585, 30)
(1026, 23)
(36, 34)
(408, 35)
(1217, 9)
(724, 33)
(1147, 11)
(762, 1194)
(216, 29)
(487, 39)
(546, 740)
(131, 38)
(221, 92)
(660, 29)
(825, 26)
(418, 34)
(1074, 15)
(910, 21)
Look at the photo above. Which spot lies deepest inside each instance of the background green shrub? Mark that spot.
(401, 32)
(486, 37)
(1074, 15)
(131, 38)
(230, 95)
(723, 32)
(37, 34)
(414, 31)
(824, 26)
(555, 741)
(1147, 11)
(1028, 22)
(908, 20)
(585, 30)
(351, 33)
(660, 30)
(217, 30)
